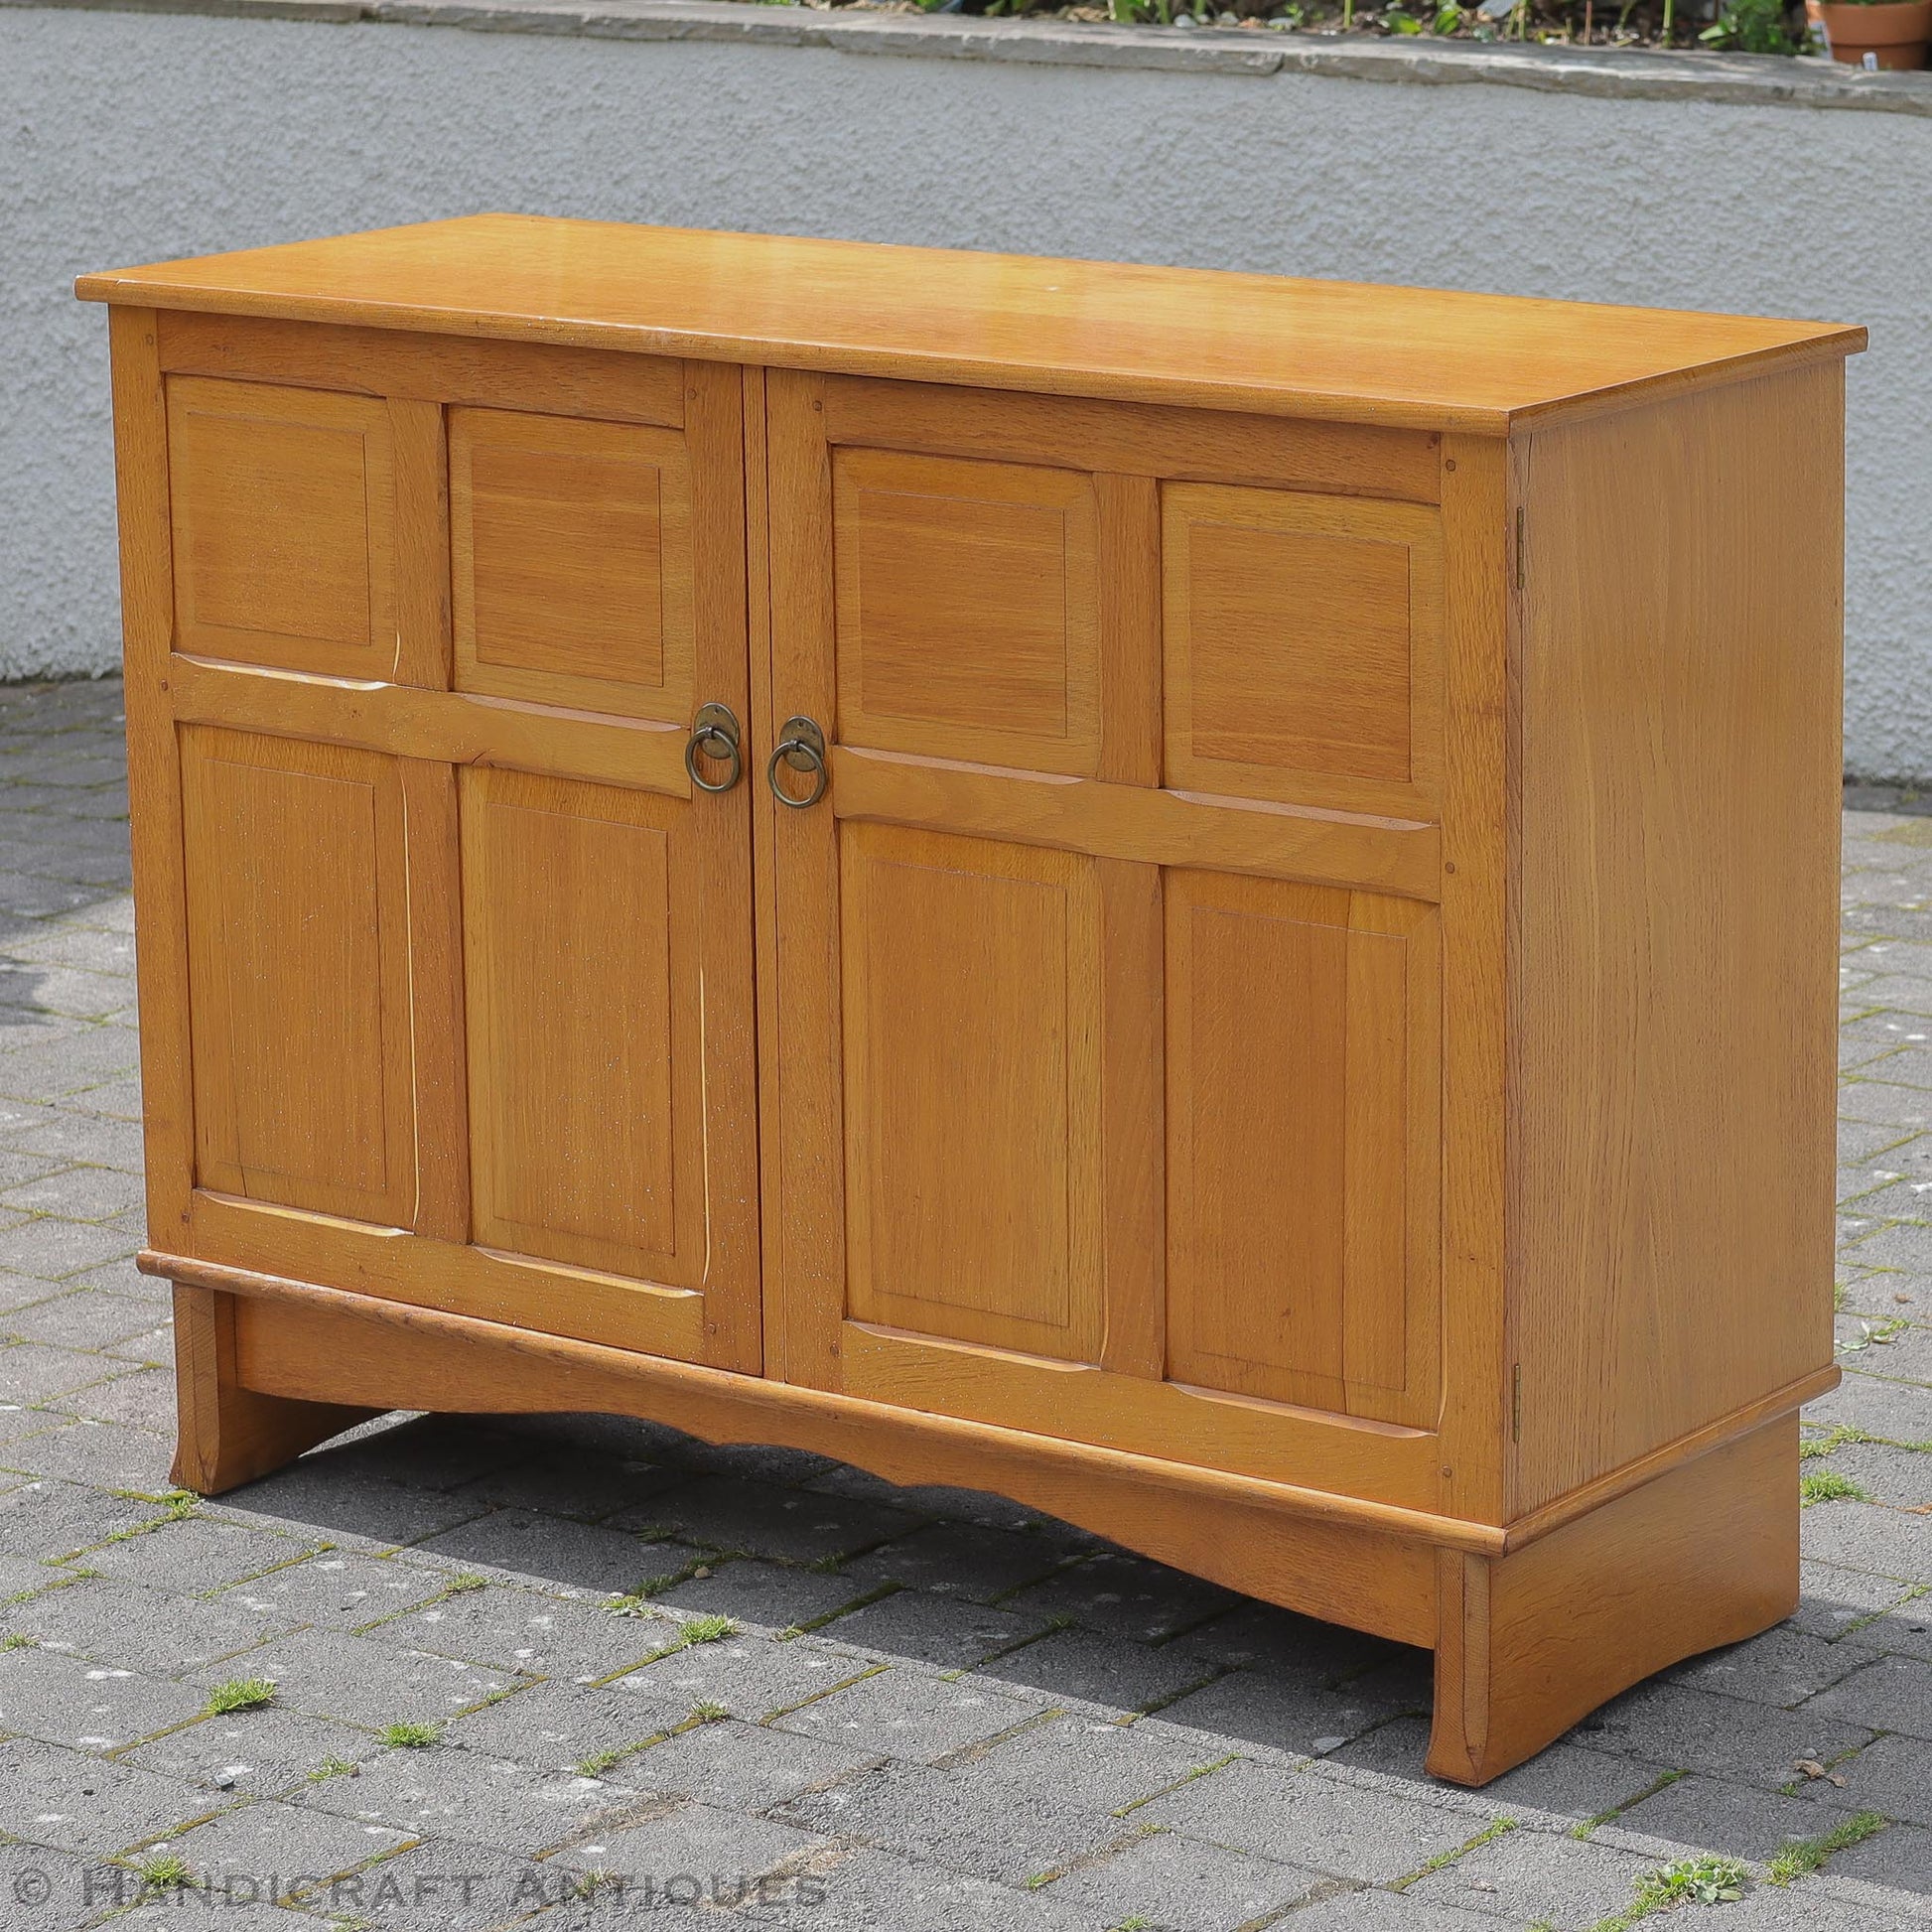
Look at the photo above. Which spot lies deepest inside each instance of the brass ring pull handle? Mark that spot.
(714, 734)
(802, 747)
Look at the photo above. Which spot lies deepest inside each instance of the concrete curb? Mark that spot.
(1747, 79)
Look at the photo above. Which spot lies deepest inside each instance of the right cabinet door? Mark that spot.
(1108, 967)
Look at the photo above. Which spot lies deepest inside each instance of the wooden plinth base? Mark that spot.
(1532, 1626)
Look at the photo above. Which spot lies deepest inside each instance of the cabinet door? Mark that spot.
(1108, 968)
(461, 1008)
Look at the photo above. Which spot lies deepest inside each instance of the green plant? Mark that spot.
(1828, 1486)
(1751, 26)
(241, 1694)
(706, 1629)
(1808, 1853)
(164, 1871)
(18, 1640)
(1690, 1882)
(1488, 1836)
(411, 1737)
(708, 1713)
(331, 1767)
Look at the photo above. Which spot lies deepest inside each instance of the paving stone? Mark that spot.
(1124, 1595)
(50, 1892)
(102, 1453)
(112, 1622)
(1531, 1875)
(938, 1499)
(275, 1847)
(1300, 1715)
(55, 1519)
(751, 1676)
(341, 1589)
(1905, 1630)
(1109, 1670)
(1172, 1881)
(1832, 1597)
(1709, 1814)
(54, 1249)
(492, 1800)
(778, 1595)
(966, 1818)
(1888, 1694)
(423, 1453)
(913, 1625)
(80, 1803)
(1782, 1667)
(1746, 1743)
(761, 1519)
(548, 1548)
(1899, 1856)
(83, 1319)
(93, 1706)
(1114, 1768)
(1261, 1636)
(198, 1553)
(1891, 1774)
(963, 1560)
(251, 1754)
(1386, 1911)
(520, 1630)
(78, 1193)
(739, 1766)
(1898, 1476)
(142, 1398)
(559, 1726)
(1876, 1349)
(692, 1840)
(911, 1714)
(1774, 1908)
(32, 1372)
(381, 1514)
(1310, 1820)
(351, 1678)
(565, 1485)
(444, 1885)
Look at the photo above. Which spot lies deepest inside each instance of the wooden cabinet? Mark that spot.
(1206, 900)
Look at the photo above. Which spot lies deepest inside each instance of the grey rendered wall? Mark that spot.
(134, 136)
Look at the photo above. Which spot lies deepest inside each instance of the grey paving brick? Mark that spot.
(1711, 1814)
(1810, 1906)
(78, 1193)
(750, 1675)
(1726, 1738)
(964, 1560)
(424, 1452)
(1124, 1595)
(91, 1706)
(379, 1513)
(51, 1892)
(1897, 1477)
(559, 1726)
(911, 1714)
(1535, 1874)
(1170, 1881)
(692, 1840)
(548, 1548)
(566, 1486)
(251, 1754)
(78, 1802)
(964, 1818)
(196, 1553)
(1261, 1636)
(331, 1674)
(1386, 1911)
(341, 1589)
(1905, 1630)
(92, 1451)
(1294, 1714)
(1781, 1667)
(109, 1621)
(492, 1800)
(1111, 1671)
(30, 1372)
(443, 1885)
(519, 1629)
(50, 1518)
(1306, 1819)
(83, 1319)
(1832, 1597)
(1114, 1768)
(1898, 1859)
(740, 1766)
(1891, 1774)
(912, 1626)
(142, 1398)
(764, 1520)
(1888, 1694)
(275, 1847)
(777, 1596)
(937, 1500)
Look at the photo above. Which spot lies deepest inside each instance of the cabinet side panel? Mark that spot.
(1674, 925)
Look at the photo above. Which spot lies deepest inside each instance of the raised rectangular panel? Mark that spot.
(298, 974)
(972, 1089)
(571, 560)
(1301, 647)
(583, 1010)
(1303, 1150)
(967, 609)
(283, 503)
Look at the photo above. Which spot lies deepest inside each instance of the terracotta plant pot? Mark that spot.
(1895, 31)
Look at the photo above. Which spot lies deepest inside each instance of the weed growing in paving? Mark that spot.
(1828, 1486)
(164, 1872)
(241, 1694)
(706, 1629)
(1808, 1853)
(331, 1767)
(411, 1737)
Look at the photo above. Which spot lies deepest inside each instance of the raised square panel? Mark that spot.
(298, 971)
(967, 623)
(570, 550)
(1301, 647)
(972, 1089)
(1303, 1095)
(283, 503)
(576, 1042)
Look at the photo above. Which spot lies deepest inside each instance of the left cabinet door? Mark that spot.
(446, 960)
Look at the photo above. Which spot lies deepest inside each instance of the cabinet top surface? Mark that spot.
(1414, 357)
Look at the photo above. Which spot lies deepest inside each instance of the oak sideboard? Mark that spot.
(1204, 901)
